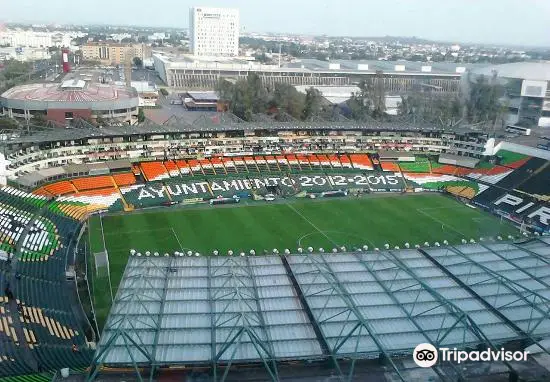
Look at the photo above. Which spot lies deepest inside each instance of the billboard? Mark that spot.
(65, 60)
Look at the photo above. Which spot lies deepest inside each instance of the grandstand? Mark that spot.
(400, 264)
(40, 329)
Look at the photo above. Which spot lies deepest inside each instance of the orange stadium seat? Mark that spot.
(99, 192)
(496, 170)
(124, 179)
(291, 158)
(205, 163)
(323, 159)
(345, 160)
(154, 170)
(172, 168)
(518, 163)
(91, 183)
(183, 166)
(390, 166)
(60, 188)
(447, 169)
(313, 160)
(195, 166)
(361, 161)
(216, 161)
(334, 161)
(42, 191)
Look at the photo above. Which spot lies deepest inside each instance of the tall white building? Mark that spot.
(214, 31)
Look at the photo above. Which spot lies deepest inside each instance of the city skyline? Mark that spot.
(468, 22)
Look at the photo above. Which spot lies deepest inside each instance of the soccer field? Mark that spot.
(328, 223)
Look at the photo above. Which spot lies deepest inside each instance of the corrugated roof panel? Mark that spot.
(275, 291)
(184, 336)
(290, 332)
(299, 349)
(185, 321)
(185, 307)
(180, 354)
(400, 296)
(125, 355)
(186, 294)
(194, 282)
(129, 307)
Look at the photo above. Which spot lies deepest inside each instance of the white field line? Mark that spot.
(176, 236)
(136, 231)
(443, 224)
(311, 223)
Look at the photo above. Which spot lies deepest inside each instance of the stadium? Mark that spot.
(233, 251)
(70, 100)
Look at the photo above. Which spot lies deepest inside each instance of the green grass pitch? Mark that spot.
(327, 223)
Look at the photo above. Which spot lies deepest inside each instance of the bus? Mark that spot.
(518, 130)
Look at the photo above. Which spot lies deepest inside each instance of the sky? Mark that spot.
(510, 22)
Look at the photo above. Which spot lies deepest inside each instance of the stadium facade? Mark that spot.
(527, 90)
(215, 136)
(71, 99)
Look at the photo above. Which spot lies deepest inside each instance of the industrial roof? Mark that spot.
(203, 96)
(314, 65)
(358, 305)
(536, 71)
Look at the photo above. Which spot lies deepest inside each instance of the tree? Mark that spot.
(258, 92)
(8, 123)
(163, 91)
(138, 62)
(288, 99)
(245, 97)
(312, 103)
(370, 100)
(483, 99)
(39, 119)
(14, 69)
(141, 115)
(440, 109)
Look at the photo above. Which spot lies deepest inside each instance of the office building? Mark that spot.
(214, 31)
(109, 53)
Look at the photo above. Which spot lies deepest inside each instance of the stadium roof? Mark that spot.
(212, 122)
(386, 66)
(536, 71)
(339, 307)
